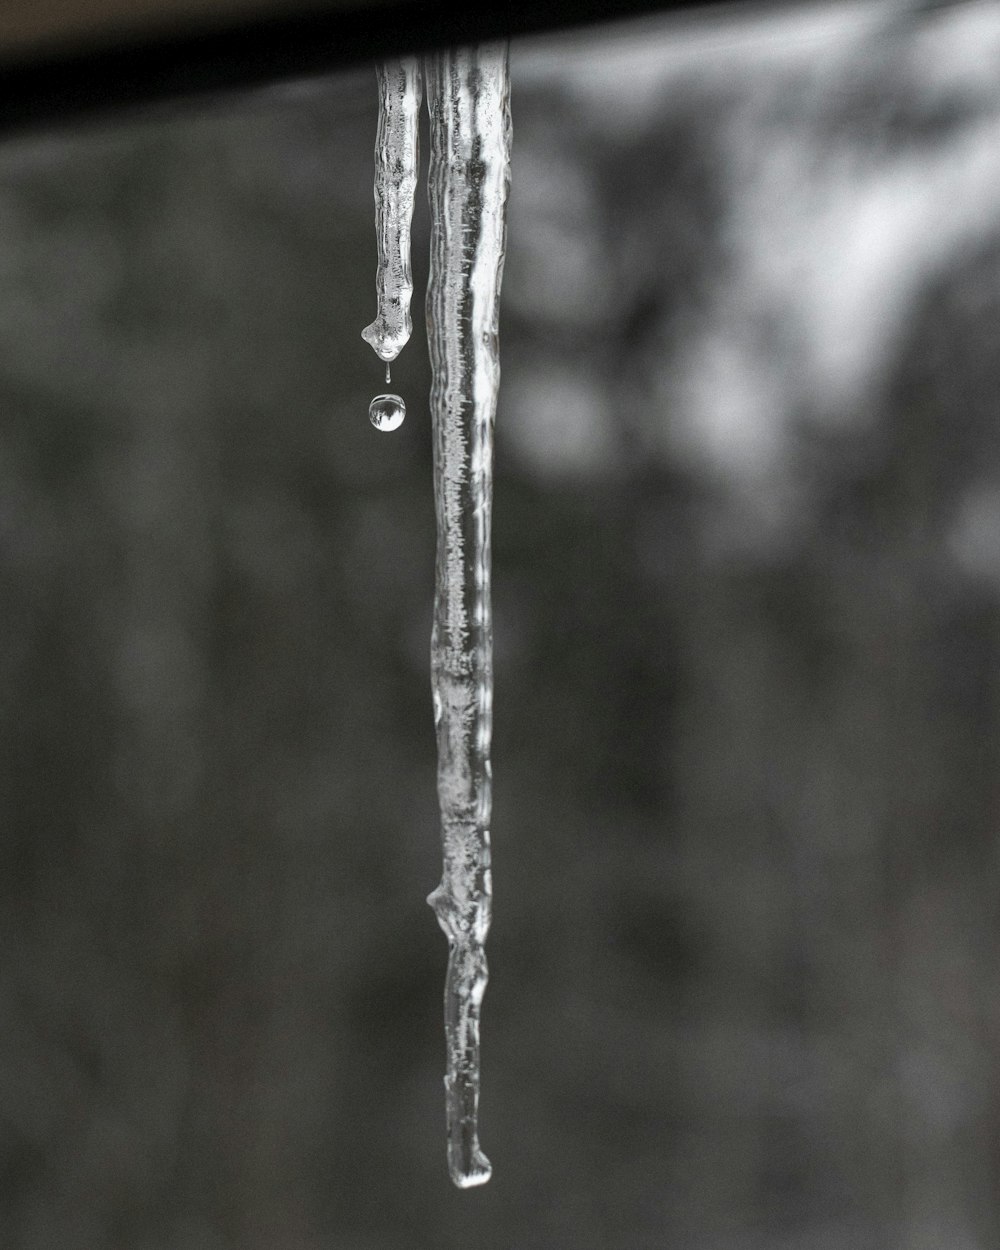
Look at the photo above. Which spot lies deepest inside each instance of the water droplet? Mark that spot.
(388, 373)
(386, 412)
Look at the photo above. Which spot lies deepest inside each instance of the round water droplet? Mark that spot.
(386, 412)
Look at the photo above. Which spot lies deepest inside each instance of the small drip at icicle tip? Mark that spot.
(386, 412)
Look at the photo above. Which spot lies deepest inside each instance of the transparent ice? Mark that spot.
(468, 100)
(396, 167)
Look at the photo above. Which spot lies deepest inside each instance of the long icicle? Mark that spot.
(468, 98)
(396, 167)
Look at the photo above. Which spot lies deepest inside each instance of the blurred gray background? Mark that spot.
(747, 592)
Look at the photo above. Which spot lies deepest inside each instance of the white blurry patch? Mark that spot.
(840, 212)
(841, 245)
(728, 410)
(556, 269)
(957, 51)
(974, 539)
(159, 671)
(937, 1090)
(725, 408)
(619, 77)
(559, 422)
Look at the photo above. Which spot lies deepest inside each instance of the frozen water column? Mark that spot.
(468, 99)
(397, 157)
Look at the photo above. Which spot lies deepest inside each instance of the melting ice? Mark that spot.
(468, 100)
(397, 156)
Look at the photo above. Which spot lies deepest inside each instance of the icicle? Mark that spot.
(468, 100)
(396, 165)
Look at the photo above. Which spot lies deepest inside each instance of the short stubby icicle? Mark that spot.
(397, 157)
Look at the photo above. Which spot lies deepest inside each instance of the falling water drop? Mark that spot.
(388, 373)
(386, 412)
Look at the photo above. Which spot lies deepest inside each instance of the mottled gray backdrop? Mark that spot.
(747, 588)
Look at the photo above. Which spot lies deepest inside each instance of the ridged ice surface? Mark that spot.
(396, 168)
(469, 104)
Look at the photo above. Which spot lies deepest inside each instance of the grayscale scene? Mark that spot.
(746, 592)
